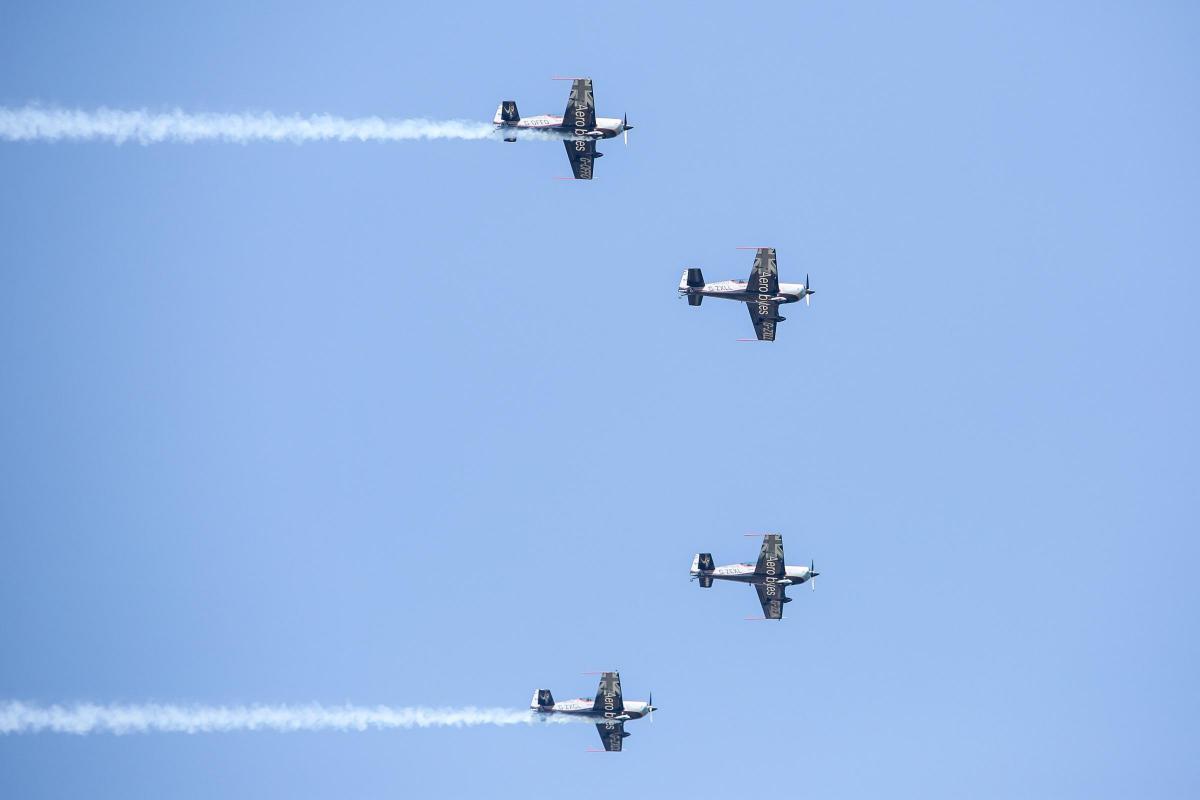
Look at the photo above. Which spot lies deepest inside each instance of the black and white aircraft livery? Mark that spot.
(610, 711)
(578, 126)
(762, 293)
(770, 576)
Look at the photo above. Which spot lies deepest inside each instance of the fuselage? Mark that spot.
(606, 127)
(740, 290)
(744, 573)
(585, 707)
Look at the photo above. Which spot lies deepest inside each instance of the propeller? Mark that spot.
(812, 574)
(626, 127)
(807, 291)
(650, 703)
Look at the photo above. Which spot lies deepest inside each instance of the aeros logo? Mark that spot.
(764, 285)
(771, 567)
(580, 118)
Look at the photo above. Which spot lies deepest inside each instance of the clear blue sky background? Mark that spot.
(416, 424)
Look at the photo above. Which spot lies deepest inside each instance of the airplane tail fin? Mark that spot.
(702, 568)
(507, 115)
(542, 699)
(506, 112)
(692, 278)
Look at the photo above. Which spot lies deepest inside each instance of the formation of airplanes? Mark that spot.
(579, 129)
(770, 576)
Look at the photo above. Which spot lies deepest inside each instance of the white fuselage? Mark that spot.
(585, 707)
(739, 290)
(744, 573)
(606, 127)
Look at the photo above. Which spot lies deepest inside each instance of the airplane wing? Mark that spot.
(612, 734)
(608, 694)
(582, 153)
(771, 597)
(764, 277)
(764, 282)
(766, 319)
(770, 557)
(770, 567)
(581, 107)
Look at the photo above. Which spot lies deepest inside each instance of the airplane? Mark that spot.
(770, 576)
(608, 708)
(762, 293)
(578, 127)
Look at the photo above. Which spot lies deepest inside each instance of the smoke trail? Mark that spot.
(34, 123)
(85, 718)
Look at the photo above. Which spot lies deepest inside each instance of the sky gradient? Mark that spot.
(415, 424)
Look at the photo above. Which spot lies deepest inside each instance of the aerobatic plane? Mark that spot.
(763, 294)
(770, 576)
(578, 127)
(608, 708)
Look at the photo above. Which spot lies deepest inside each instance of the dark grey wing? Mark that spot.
(770, 557)
(580, 116)
(582, 153)
(612, 734)
(608, 694)
(765, 317)
(772, 598)
(764, 277)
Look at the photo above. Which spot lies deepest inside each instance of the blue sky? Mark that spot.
(416, 424)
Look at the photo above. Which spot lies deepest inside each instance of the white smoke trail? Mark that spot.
(85, 718)
(34, 123)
